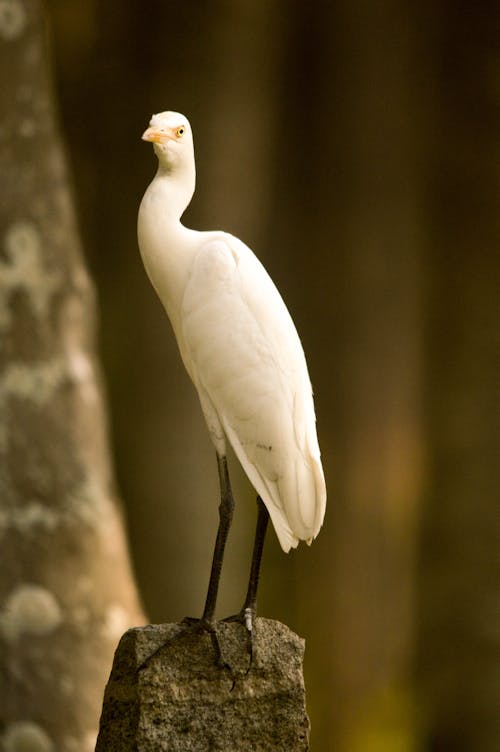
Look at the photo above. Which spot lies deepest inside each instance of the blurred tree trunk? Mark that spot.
(459, 636)
(357, 224)
(66, 589)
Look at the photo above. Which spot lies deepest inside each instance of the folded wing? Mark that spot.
(243, 353)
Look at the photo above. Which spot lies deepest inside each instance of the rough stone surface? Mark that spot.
(181, 701)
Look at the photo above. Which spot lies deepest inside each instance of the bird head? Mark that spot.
(171, 136)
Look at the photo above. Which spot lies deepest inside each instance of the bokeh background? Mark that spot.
(355, 147)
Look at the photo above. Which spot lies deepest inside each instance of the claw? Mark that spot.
(246, 618)
(190, 626)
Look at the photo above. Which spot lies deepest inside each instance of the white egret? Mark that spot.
(241, 349)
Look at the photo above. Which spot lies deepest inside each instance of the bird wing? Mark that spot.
(243, 353)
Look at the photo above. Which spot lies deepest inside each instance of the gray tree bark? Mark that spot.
(66, 589)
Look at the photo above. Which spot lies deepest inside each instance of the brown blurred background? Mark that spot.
(355, 147)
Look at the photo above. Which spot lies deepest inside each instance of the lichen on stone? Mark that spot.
(33, 516)
(29, 609)
(90, 504)
(116, 621)
(12, 19)
(36, 382)
(24, 269)
(26, 736)
(27, 381)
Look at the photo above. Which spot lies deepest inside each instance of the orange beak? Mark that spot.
(156, 136)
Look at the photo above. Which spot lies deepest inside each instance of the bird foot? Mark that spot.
(246, 617)
(192, 626)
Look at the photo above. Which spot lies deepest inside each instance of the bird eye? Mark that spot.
(180, 131)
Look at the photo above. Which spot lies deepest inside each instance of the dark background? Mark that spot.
(355, 147)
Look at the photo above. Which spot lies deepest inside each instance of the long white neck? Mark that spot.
(175, 189)
(167, 246)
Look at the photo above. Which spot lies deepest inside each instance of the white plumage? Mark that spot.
(237, 341)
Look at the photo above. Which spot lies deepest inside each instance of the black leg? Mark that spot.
(226, 509)
(258, 547)
(247, 614)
